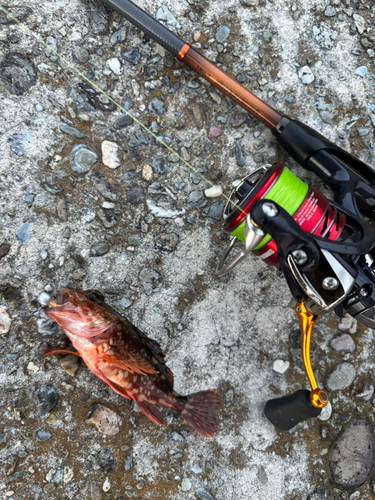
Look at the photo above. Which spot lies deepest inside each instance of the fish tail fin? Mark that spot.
(201, 411)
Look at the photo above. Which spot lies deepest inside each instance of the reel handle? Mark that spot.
(286, 412)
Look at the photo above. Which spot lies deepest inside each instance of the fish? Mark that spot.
(127, 360)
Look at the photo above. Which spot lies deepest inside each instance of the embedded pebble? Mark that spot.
(341, 377)
(147, 172)
(196, 468)
(70, 363)
(43, 298)
(214, 211)
(160, 165)
(16, 143)
(81, 55)
(343, 343)
(213, 192)
(123, 122)
(99, 249)
(167, 242)
(132, 56)
(22, 233)
(214, 132)
(157, 107)
(240, 153)
(118, 36)
(47, 397)
(352, 455)
(110, 154)
(125, 302)
(163, 14)
(114, 65)
(108, 205)
(104, 187)
(5, 321)
(360, 23)
(280, 366)
(196, 199)
(128, 462)
(185, 484)
(18, 73)
(326, 412)
(82, 158)
(4, 250)
(106, 459)
(72, 131)
(361, 71)
(95, 492)
(135, 195)
(330, 11)
(204, 495)
(222, 33)
(348, 323)
(106, 485)
(306, 75)
(105, 420)
(42, 435)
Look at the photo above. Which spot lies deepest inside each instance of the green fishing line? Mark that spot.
(289, 192)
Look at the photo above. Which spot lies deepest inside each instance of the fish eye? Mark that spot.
(95, 296)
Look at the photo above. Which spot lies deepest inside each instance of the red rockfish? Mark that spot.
(127, 360)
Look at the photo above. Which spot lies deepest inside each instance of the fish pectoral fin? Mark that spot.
(129, 363)
(115, 387)
(53, 351)
(151, 412)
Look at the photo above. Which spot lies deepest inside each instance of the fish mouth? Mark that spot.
(64, 299)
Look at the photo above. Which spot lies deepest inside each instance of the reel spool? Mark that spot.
(325, 250)
(308, 207)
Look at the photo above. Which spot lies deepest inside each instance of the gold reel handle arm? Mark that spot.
(318, 397)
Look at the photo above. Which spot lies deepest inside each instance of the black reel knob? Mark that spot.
(286, 412)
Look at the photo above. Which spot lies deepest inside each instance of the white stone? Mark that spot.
(33, 367)
(213, 192)
(147, 173)
(106, 485)
(348, 323)
(361, 71)
(110, 154)
(4, 321)
(114, 65)
(280, 366)
(43, 254)
(326, 412)
(43, 298)
(185, 484)
(360, 23)
(108, 205)
(68, 474)
(306, 75)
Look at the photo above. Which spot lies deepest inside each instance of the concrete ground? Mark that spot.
(82, 223)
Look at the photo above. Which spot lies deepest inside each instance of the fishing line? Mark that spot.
(70, 65)
(289, 192)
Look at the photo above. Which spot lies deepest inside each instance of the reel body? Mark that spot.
(325, 250)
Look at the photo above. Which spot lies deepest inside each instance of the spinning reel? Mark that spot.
(324, 248)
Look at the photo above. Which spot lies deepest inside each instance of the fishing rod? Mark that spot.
(324, 247)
